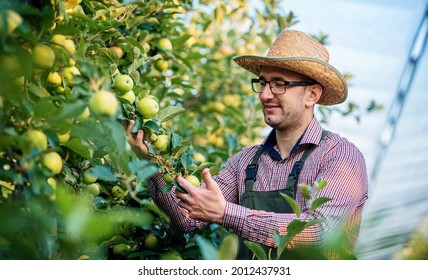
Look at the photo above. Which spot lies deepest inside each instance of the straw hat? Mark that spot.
(296, 51)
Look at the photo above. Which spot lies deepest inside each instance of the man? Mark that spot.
(245, 198)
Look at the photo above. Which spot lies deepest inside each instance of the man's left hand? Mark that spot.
(203, 204)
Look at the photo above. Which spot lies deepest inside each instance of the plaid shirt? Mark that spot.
(336, 160)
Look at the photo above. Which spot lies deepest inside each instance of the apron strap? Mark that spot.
(293, 178)
(251, 170)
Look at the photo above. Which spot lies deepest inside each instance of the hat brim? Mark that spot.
(335, 89)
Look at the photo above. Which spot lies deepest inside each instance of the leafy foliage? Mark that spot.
(56, 55)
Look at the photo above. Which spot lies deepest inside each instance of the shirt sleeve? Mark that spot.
(344, 168)
(168, 203)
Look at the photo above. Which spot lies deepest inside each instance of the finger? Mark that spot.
(181, 195)
(186, 185)
(208, 179)
(129, 128)
(140, 136)
(184, 204)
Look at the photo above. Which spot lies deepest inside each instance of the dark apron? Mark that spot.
(270, 201)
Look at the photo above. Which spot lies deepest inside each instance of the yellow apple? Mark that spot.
(193, 180)
(68, 73)
(54, 79)
(166, 44)
(53, 162)
(84, 115)
(161, 65)
(34, 139)
(71, 4)
(43, 56)
(12, 19)
(64, 137)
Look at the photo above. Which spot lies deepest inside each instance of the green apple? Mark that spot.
(93, 189)
(117, 192)
(64, 137)
(148, 107)
(69, 46)
(129, 96)
(53, 162)
(34, 139)
(71, 4)
(68, 73)
(151, 241)
(12, 20)
(88, 178)
(166, 44)
(161, 65)
(58, 41)
(121, 249)
(162, 143)
(52, 182)
(104, 103)
(43, 56)
(123, 83)
(168, 178)
(84, 115)
(193, 180)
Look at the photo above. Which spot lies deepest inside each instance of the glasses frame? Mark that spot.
(286, 84)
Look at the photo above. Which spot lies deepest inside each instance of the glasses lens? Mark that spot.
(277, 87)
(258, 85)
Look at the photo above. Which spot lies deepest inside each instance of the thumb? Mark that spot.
(208, 179)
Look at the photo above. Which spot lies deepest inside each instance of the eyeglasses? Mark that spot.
(276, 86)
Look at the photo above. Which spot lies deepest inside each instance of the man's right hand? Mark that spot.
(137, 142)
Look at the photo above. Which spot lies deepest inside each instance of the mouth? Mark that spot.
(270, 107)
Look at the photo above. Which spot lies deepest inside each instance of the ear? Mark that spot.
(313, 94)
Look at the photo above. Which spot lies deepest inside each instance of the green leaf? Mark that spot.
(257, 249)
(208, 250)
(306, 190)
(38, 90)
(320, 184)
(169, 113)
(297, 226)
(318, 202)
(77, 145)
(102, 173)
(69, 110)
(281, 242)
(152, 125)
(294, 205)
(228, 249)
(149, 205)
(203, 166)
(186, 160)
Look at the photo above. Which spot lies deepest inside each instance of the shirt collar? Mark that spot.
(312, 135)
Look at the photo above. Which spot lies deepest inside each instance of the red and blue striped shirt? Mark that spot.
(336, 160)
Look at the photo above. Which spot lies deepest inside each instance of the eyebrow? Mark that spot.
(273, 78)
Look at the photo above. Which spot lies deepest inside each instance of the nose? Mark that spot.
(266, 94)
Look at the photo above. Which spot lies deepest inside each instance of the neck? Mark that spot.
(288, 137)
